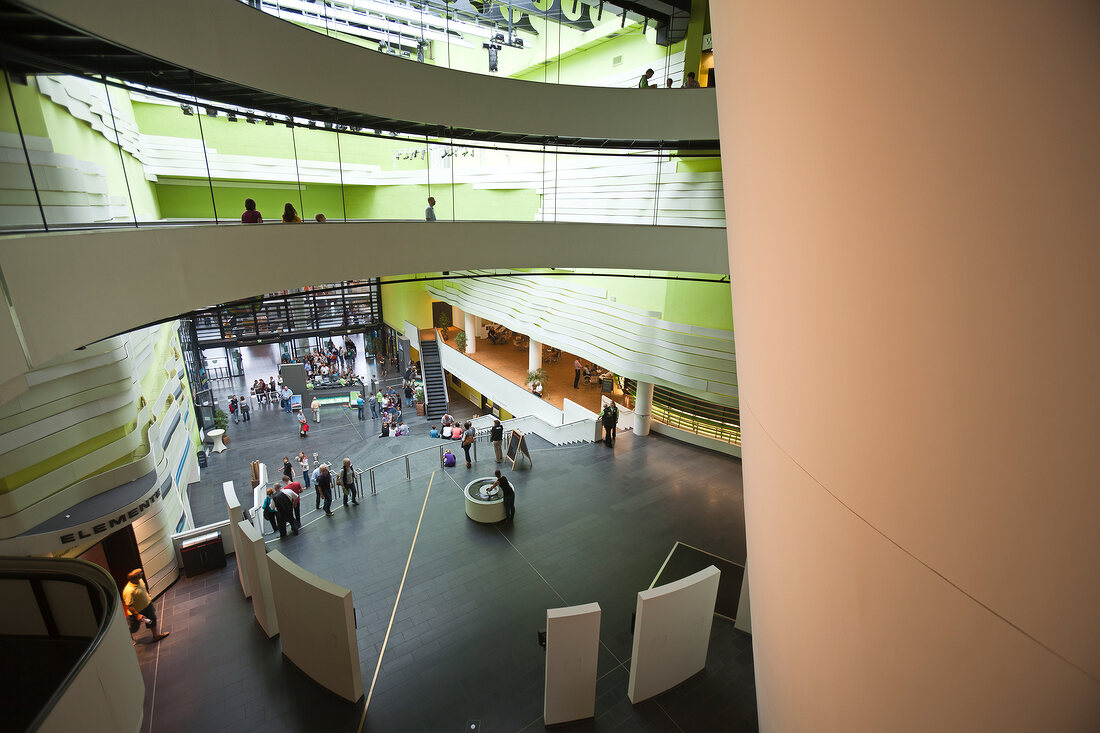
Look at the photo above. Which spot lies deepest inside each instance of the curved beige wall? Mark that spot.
(916, 259)
(74, 288)
(228, 40)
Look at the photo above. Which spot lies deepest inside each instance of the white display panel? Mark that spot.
(672, 633)
(572, 653)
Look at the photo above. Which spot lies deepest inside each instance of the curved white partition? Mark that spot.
(283, 59)
(74, 288)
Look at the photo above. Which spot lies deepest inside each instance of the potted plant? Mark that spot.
(444, 323)
(221, 419)
(421, 408)
(536, 376)
(460, 341)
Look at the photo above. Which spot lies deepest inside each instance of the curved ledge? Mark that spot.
(208, 36)
(75, 288)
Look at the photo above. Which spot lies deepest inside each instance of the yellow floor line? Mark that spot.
(396, 601)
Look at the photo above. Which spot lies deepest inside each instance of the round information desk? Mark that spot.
(481, 507)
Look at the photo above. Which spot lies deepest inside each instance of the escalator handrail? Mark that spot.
(92, 577)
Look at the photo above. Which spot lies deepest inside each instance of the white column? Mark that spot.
(918, 391)
(643, 406)
(471, 335)
(534, 356)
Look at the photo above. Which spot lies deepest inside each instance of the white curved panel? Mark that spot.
(206, 35)
(623, 339)
(48, 274)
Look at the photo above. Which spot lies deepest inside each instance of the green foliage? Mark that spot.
(221, 419)
(460, 341)
(537, 375)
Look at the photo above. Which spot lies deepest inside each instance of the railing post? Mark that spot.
(372, 488)
(408, 475)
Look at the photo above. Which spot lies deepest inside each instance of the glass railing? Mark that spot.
(694, 415)
(98, 153)
(554, 41)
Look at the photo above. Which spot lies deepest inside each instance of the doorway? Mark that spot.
(117, 554)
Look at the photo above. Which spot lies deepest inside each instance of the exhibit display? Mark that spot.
(483, 505)
(572, 654)
(672, 633)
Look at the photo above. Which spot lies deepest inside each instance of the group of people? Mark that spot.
(449, 429)
(267, 393)
(337, 361)
(240, 409)
(290, 215)
(690, 82)
(283, 503)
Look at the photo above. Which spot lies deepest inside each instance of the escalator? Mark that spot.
(68, 661)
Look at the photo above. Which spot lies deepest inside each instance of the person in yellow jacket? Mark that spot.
(138, 605)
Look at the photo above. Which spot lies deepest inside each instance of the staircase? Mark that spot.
(435, 391)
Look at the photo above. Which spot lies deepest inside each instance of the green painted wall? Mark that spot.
(188, 199)
(39, 116)
(699, 304)
(28, 103)
(695, 303)
(406, 302)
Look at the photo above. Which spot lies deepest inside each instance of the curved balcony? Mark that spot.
(75, 288)
(229, 53)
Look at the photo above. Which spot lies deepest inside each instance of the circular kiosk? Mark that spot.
(482, 506)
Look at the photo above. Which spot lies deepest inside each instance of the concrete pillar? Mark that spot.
(643, 408)
(471, 335)
(534, 355)
(916, 358)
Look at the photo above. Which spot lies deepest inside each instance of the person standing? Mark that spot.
(271, 513)
(303, 463)
(290, 215)
(690, 82)
(138, 605)
(373, 407)
(509, 494)
(324, 487)
(409, 393)
(287, 394)
(316, 407)
(496, 437)
(347, 482)
(576, 372)
(605, 420)
(233, 410)
(614, 421)
(468, 437)
(429, 213)
(359, 405)
(284, 511)
(297, 489)
(381, 399)
(250, 215)
(246, 410)
(317, 489)
(643, 83)
(288, 470)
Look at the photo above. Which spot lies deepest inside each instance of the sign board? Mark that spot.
(517, 446)
(296, 402)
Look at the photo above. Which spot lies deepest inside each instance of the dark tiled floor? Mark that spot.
(592, 524)
(273, 433)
